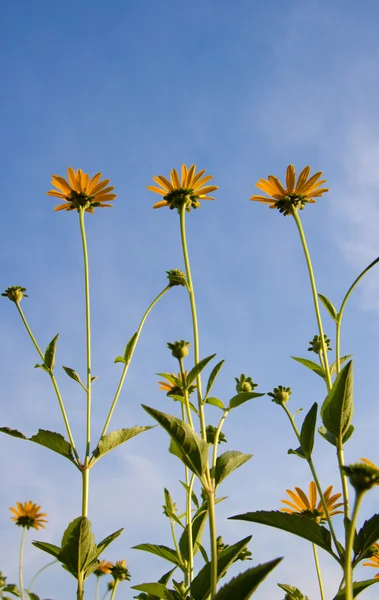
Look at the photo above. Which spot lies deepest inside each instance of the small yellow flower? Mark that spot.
(103, 568)
(188, 190)
(295, 195)
(28, 515)
(81, 191)
(374, 560)
(120, 571)
(309, 507)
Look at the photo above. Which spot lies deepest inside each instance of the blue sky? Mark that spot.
(134, 89)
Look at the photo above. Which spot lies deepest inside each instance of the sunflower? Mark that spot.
(28, 515)
(309, 507)
(103, 568)
(81, 191)
(374, 560)
(295, 195)
(185, 191)
(171, 388)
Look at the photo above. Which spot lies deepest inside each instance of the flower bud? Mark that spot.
(176, 277)
(362, 476)
(280, 394)
(316, 344)
(120, 571)
(245, 384)
(15, 293)
(211, 435)
(180, 349)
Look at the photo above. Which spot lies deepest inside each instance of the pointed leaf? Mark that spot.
(78, 548)
(198, 368)
(49, 548)
(198, 523)
(310, 364)
(293, 593)
(201, 585)
(108, 540)
(333, 366)
(172, 379)
(298, 452)
(215, 402)
(337, 409)
(192, 448)
(243, 397)
(73, 374)
(49, 358)
(329, 307)
(244, 585)
(32, 596)
(367, 536)
(43, 367)
(227, 462)
(293, 523)
(307, 434)
(116, 438)
(13, 432)
(331, 438)
(54, 441)
(162, 551)
(358, 587)
(130, 348)
(158, 590)
(120, 359)
(212, 377)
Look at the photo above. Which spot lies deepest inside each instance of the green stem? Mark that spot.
(217, 435)
(39, 572)
(186, 398)
(80, 588)
(190, 534)
(213, 541)
(114, 589)
(54, 382)
(89, 380)
(316, 480)
(315, 296)
(349, 546)
(126, 367)
(345, 490)
(105, 595)
(97, 588)
(22, 545)
(318, 570)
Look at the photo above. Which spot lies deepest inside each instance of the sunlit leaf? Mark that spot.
(244, 585)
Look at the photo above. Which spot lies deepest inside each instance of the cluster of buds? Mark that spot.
(211, 435)
(245, 554)
(280, 394)
(316, 344)
(245, 384)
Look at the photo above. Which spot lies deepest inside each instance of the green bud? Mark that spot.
(176, 277)
(179, 349)
(120, 571)
(361, 476)
(316, 344)
(280, 394)
(211, 434)
(15, 293)
(245, 384)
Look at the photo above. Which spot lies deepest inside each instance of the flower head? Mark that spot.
(244, 384)
(374, 559)
(120, 571)
(179, 349)
(280, 394)
(176, 277)
(315, 345)
(103, 568)
(309, 507)
(186, 191)
(297, 193)
(15, 293)
(81, 191)
(28, 515)
(171, 385)
(362, 476)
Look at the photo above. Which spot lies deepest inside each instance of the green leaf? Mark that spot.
(49, 548)
(186, 443)
(158, 590)
(331, 438)
(215, 402)
(171, 377)
(201, 585)
(107, 540)
(367, 536)
(198, 368)
(49, 358)
(310, 364)
(307, 434)
(292, 523)
(198, 523)
(73, 374)
(243, 397)
(130, 348)
(213, 376)
(292, 593)
(337, 409)
(162, 551)
(43, 367)
(333, 366)
(13, 432)
(12, 589)
(55, 442)
(32, 596)
(358, 587)
(116, 438)
(329, 307)
(120, 359)
(298, 452)
(227, 462)
(78, 548)
(244, 585)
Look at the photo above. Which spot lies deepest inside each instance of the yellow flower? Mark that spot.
(374, 560)
(171, 388)
(28, 515)
(103, 568)
(120, 571)
(309, 507)
(295, 195)
(80, 190)
(188, 190)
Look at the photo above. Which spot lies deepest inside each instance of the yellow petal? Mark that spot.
(197, 177)
(277, 184)
(160, 204)
(303, 497)
(61, 184)
(302, 179)
(175, 179)
(202, 181)
(94, 181)
(72, 179)
(312, 495)
(184, 175)
(263, 199)
(310, 183)
(62, 207)
(164, 182)
(189, 178)
(290, 178)
(107, 197)
(152, 188)
(296, 499)
(100, 186)
(206, 190)
(56, 194)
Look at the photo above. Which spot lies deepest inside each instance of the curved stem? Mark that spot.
(316, 480)
(20, 569)
(105, 595)
(89, 379)
(39, 572)
(126, 367)
(315, 296)
(349, 547)
(217, 435)
(53, 380)
(318, 570)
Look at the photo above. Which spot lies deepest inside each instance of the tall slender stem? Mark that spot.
(89, 380)
(54, 381)
(53, 562)
(217, 435)
(126, 367)
(318, 571)
(349, 546)
(114, 589)
(21, 563)
(97, 588)
(315, 296)
(345, 490)
(186, 398)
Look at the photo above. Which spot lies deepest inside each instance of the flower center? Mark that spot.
(182, 197)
